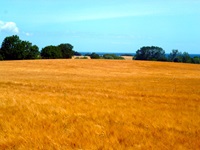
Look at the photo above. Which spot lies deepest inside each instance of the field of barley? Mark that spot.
(99, 105)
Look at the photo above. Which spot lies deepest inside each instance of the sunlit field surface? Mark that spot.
(99, 104)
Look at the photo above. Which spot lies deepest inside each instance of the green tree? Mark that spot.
(195, 60)
(51, 52)
(15, 49)
(66, 50)
(150, 53)
(175, 56)
(77, 53)
(94, 56)
(186, 58)
(11, 48)
(33, 52)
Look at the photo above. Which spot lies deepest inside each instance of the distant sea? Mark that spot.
(128, 54)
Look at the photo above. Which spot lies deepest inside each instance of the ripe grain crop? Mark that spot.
(99, 104)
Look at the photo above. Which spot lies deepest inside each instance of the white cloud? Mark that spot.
(9, 27)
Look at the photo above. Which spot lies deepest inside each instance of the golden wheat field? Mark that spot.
(99, 104)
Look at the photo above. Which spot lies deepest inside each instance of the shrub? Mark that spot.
(112, 56)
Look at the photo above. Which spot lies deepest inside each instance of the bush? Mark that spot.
(112, 56)
(108, 56)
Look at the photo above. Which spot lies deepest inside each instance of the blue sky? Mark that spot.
(106, 25)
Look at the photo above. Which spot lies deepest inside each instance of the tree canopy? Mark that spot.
(176, 56)
(51, 52)
(66, 50)
(15, 49)
(60, 51)
(150, 53)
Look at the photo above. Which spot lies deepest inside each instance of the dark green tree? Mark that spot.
(1, 57)
(150, 53)
(33, 52)
(186, 58)
(77, 53)
(15, 49)
(11, 48)
(66, 50)
(94, 56)
(175, 56)
(51, 52)
(195, 60)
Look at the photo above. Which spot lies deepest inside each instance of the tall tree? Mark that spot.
(175, 56)
(11, 48)
(150, 53)
(186, 58)
(15, 49)
(32, 52)
(51, 52)
(66, 50)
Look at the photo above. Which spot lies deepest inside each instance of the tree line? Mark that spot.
(154, 53)
(13, 48)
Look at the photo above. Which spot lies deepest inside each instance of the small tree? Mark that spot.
(94, 56)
